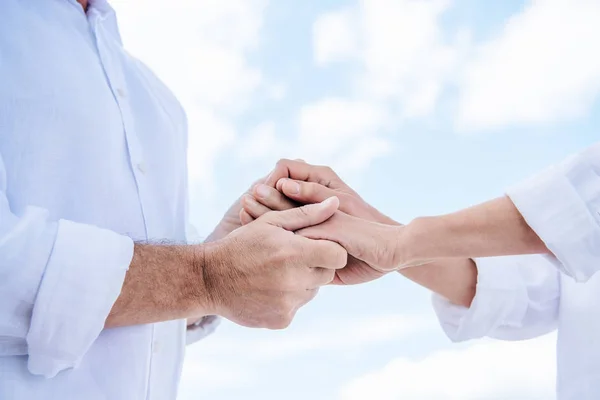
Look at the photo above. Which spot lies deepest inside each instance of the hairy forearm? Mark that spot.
(494, 228)
(164, 282)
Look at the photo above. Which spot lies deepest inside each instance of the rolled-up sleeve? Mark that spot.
(562, 205)
(516, 298)
(58, 283)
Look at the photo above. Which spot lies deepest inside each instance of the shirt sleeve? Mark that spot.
(58, 282)
(516, 298)
(562, 205)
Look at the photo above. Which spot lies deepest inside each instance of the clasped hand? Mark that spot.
(371, 239)
(298, 229)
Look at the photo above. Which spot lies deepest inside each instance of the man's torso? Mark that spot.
(88, 133)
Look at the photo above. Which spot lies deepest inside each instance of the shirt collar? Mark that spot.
(100, 7)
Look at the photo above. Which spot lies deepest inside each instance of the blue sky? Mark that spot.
(424, 107)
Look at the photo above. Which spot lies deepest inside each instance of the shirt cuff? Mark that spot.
(562, 205)
(201, 329)
(80, 284)
(500, 300)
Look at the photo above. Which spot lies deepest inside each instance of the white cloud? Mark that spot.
(335, 36)
(403, 53)
(543, 67)
(239, 356)
(277, 91)
(327, 125)
(403, 59)
(210, 134)
(327, 335)
(343, 133)
(261, 142)
(484, 371)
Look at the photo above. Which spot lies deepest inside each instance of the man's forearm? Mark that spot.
(163, 283)
(494, 228)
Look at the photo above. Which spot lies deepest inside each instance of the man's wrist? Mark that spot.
(211, 261)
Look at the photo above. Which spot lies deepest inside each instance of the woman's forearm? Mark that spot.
(494, 228)
(452, 278)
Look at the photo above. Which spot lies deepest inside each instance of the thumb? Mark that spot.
(305, 216)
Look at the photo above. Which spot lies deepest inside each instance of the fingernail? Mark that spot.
(291, 187)
(263, 191)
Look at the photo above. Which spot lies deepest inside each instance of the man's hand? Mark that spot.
(233, 216)
(302, 183)
(262, 273)
(257, 276)
(294, 182)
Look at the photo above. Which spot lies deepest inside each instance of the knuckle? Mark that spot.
(326, 176)
(282, 255)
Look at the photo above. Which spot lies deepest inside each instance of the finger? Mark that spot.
(304, 192)
(273, 199)
(280, 171)
(368, 241)
(356, 272)
(253, 207)
(302, 171)
(321, 277)
(340, 228)
(324, 254)
(305, 216)
(245, 218)
(311, 192)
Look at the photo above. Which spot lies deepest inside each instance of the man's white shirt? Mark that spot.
(92, 158)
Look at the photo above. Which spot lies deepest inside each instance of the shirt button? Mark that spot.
(121, 93)
(141, 167)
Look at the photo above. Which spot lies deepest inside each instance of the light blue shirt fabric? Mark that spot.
(527, 296)
(92, 158)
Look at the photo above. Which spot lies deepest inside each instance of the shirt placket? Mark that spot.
(117, 83)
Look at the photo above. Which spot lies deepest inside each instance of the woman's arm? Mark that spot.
(494, 228)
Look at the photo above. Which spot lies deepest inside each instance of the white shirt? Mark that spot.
(92, 158)
(528, 296)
